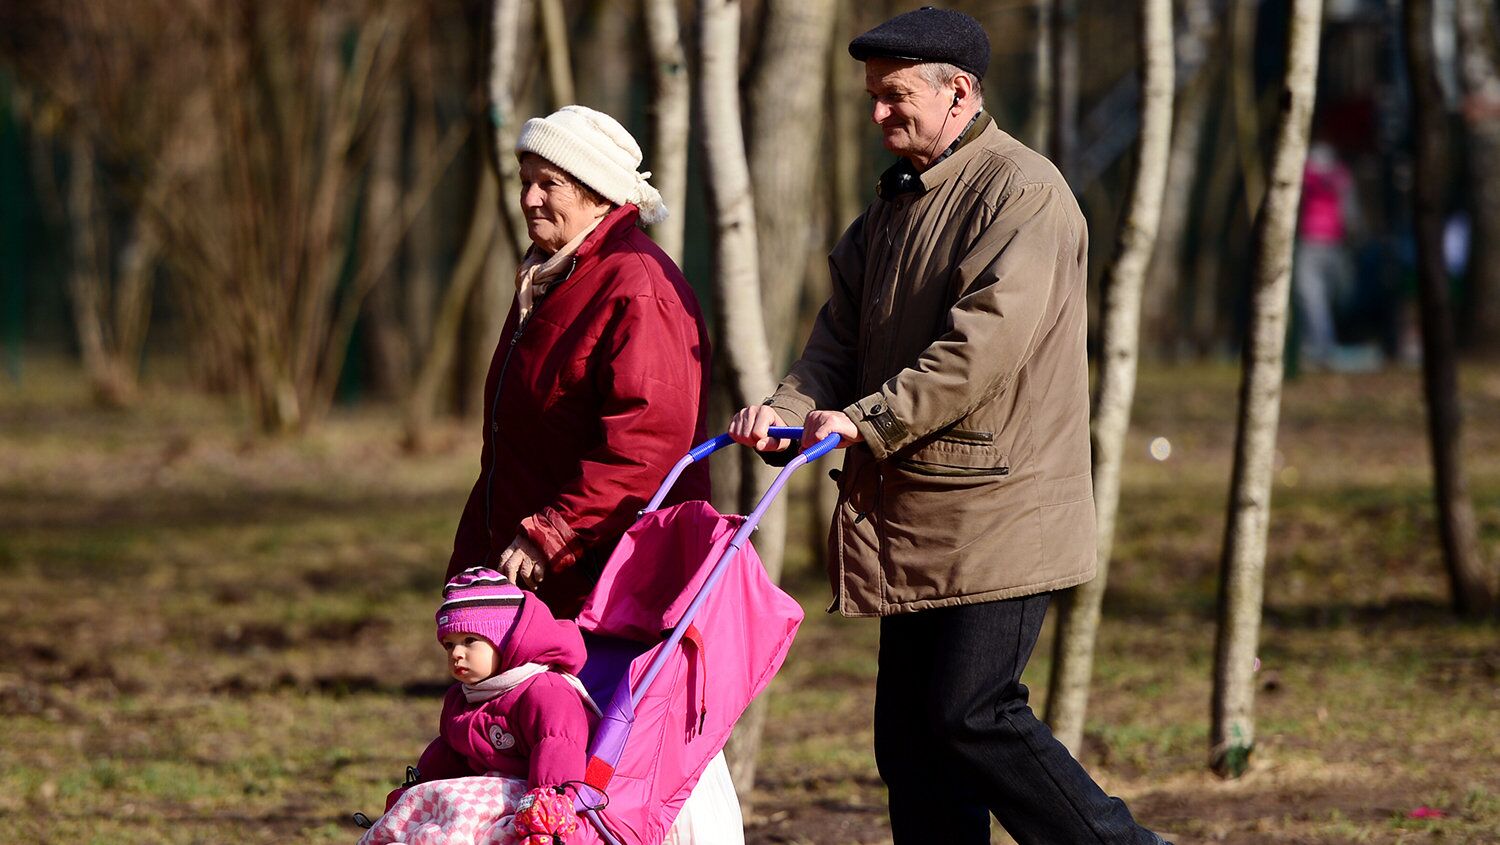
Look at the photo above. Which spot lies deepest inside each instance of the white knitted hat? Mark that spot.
(596, 149)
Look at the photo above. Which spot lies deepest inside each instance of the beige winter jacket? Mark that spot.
(955, 339)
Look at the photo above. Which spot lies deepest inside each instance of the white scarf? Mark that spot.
(498, 685)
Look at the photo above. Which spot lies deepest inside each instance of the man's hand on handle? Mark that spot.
(751, 427)
(820, 424)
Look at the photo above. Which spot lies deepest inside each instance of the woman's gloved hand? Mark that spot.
(522, 563)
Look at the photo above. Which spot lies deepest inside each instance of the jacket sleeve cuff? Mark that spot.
(793, 411)
(878, 425)
(559, 544)
(792, 408)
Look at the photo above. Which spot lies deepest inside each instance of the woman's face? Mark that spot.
(555, 206)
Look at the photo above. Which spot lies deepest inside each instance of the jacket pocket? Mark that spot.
(958, 453)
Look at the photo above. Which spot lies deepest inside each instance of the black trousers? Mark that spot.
(956, 741)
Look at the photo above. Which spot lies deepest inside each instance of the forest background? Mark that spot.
(254, 258)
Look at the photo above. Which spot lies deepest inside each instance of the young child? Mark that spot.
(517, 714)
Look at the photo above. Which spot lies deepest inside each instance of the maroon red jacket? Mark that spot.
(588, 404)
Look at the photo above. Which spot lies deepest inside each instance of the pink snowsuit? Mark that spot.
(525, 734)
(539, 730)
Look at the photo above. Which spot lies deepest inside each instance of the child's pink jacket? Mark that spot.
(538, 730)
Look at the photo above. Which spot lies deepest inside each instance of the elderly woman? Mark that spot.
(598, 386)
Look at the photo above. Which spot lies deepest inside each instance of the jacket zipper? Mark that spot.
(494, 434)
(976, 438)
(489, 478)
(896, 253)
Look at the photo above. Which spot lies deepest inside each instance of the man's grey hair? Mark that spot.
(938, 74)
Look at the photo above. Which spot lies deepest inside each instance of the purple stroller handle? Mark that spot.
(708, 447)
(737, 542)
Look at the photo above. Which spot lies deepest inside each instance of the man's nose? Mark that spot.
(879, 112)
(531, 197)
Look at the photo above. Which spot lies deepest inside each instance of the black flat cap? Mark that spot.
(928, 35)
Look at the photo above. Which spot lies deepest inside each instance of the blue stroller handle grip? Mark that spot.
(708, 447)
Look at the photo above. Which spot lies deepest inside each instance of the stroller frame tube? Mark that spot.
(620, 710)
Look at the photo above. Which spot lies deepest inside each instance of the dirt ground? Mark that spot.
(216, 638)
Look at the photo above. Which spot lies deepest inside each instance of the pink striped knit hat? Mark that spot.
(480, 601)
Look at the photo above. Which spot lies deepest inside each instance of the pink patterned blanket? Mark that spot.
(460, 811)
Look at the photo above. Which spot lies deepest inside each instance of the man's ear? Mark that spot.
(963, 89)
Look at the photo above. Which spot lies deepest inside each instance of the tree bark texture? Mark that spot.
(1481, 85)
(86, 282)
(671, 107)
(1472, 582)
(608, 41)
(559, 62)
(743, 348)
(1246, 107)
(387, 344)
(1039, 124)
(1064, 130)
(484, 222)
(1217, 228)
(1162, 323)
(1119, 340)
(420, 256)
(1242, 575)
(505, 26)
(784, 104)
(111, 311)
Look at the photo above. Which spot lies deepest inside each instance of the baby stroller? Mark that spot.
(677, 649)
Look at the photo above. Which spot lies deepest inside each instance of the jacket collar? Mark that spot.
(613, 226)
(953, 159)
(903, 177)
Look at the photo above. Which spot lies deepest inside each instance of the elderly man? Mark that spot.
(951, 360)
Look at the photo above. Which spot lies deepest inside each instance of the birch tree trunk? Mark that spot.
(1038, 126)
(1162, 326)
(559, 64)
(110, 328)
(1246, 109)
(421, 245)
(1064, 130)
(845, 108)
(1242, 576)
(784, 104)
(1472, 585)
(1481, 85)
(86, 287)
(669, 122)
(388, 346)
(1119, 339)
(505, 27)
(484, 223)
(743, 350)
(1214, 227)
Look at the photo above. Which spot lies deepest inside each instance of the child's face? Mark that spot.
(471, 658)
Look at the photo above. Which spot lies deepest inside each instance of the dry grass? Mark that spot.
(217, 639)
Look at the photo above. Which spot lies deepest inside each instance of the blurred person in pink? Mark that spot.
(1322, 269)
